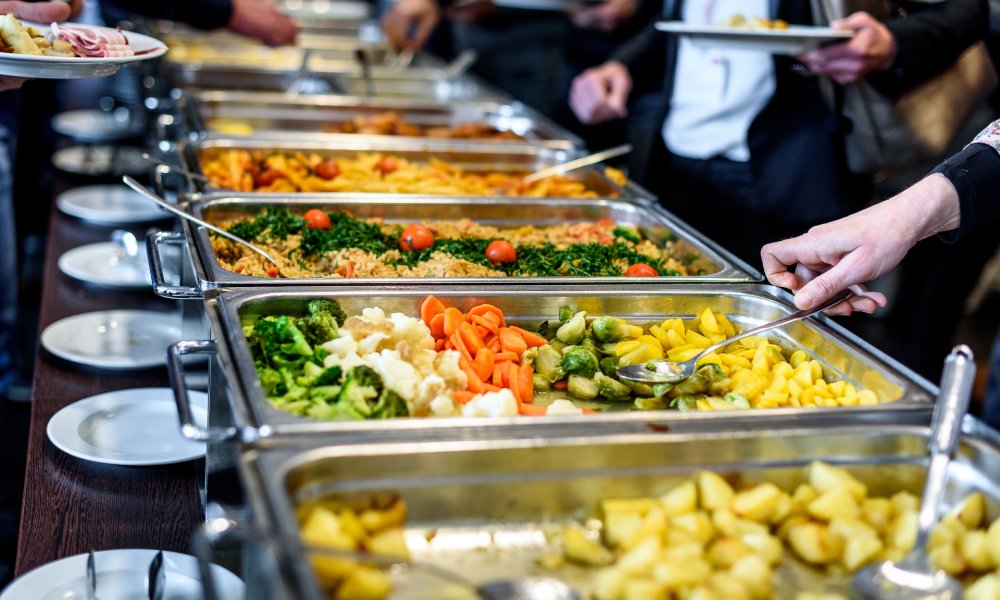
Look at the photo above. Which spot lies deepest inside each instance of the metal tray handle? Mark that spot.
(189, 429)
(174, 292)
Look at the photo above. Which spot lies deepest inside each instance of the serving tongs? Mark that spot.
(578, 163)
(135, 185)
(915, 577)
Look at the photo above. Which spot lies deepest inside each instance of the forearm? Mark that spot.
(644, 55)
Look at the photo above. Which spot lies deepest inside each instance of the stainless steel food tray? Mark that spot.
(279, 114)
(842, 355)
(717, 265)
(342, 78)
(472, 157)
(484, 508)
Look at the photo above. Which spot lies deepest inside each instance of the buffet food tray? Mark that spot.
(278, 114)
(841, 356)
(487, 509)
(471, 157)
(716, 265)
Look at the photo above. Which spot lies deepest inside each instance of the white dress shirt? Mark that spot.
(717, 92)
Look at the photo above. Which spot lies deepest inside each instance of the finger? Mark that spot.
(854, 22)
(779, 256)
(617, 99)
(41, 12)
(844, 274)
(394, 27)
(785, 279)
(423, 31)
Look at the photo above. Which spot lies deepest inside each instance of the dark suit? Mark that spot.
(796, 176)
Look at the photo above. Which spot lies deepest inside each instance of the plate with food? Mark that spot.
(757, 33)
(69, 50)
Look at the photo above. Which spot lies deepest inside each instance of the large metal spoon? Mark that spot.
(915, 577)
(662, 371)
(135, 185)
(578, 163)
(182, 171)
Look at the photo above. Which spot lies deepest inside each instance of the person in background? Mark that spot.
(745, 147)
(260, 19)
(960, 195)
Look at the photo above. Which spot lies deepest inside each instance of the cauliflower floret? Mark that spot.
(397, 374)
(491, 404)
(344, 362)
(341, 347)
(374, 315)
(446, 365)
(563, 407)
(371, 343)
(414, 331)
(431, 387)
(443, 406)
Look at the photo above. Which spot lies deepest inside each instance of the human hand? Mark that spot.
(470, 11)
(262, 19)
(421, 16)
(600, 94)
(606, 16)
(871, 49)
(10, 83)
(858, 248)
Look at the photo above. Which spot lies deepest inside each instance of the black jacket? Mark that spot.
(203, 14)
(796, 143)
(975, 173)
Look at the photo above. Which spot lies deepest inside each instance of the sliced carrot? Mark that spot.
(439, 345)
(484, 309)
(533, 340)
(463, 396)
(494, 345)
(561, 385)
(526, 383)
(514, 384)
(436, 325)
(470, 337)
(497, 375)
(430, 307)
(532, 410)
(510, 341)
(482, 331)
(494, 318)
(491, 388)
(485, 323)
(452, 319)
(589, 411)
(502, 356)
(475, 384)
(456, 340)
(484, 364)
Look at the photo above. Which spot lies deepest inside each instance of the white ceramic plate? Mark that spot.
(93, 125)
(114, 339)
(57, 67)
(108, 205)
(105, 264)
(121, 575)
(133, 427)
(797, 39)
(101, 160)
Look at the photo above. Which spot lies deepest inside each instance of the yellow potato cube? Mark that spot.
(727, 523)
(619, 526)
(860, 551)
(728, 586)
(641, 559)
(725, 326)
(993, 540)
(725, 551)
(696, 339)
(627, 346)
(714, 491)
(675, 576)
(581, 548)
(826, 477)
(877, 512)
(653, 525)
(948, 558)
(351, 524)
(681, 499)
(766, 546)
(696, 525)
(682, 553)
(837, 502)
(848, 528)
(903, 531)
(756, 574)
(661, 336)
(905, 502)
(364, 583)
(813, 543)
(985, 588)
(609, 583)
(976, 552)
(757, 503)
(970, 511)
(675, 339)
(791, 522)
(644, 589)
(391, 542)
(377, 519)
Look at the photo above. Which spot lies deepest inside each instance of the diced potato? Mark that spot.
(580, 548)
(902, 532)
(826, 477)
(976, 552)
(783, 509)
(641, 559)
(351, 524)
(619, 527)
(364, 583)
(645, 589)
(970, 510)
(814, 543)
(714, 491)
(682, 553)
(609, 583)
(697, 525)
(391, 542)
(757, 503)
(675, 576)
(727, 523)
(725, 551)
(948, 558)
(993, 540)
(377, 519)
(877, 512)
(860, 551)
(728, 586)
(755, 573)
(836, 502)
(985, 588)
(321, 529)
(654, 525)
(905, 502)
(848, 528)
(766, 546)
(681, 499)
(551, 561)
(791, 522)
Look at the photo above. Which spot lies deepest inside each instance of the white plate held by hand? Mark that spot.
(121, 575)
(114, 339)
(797, 39)
(132, 427)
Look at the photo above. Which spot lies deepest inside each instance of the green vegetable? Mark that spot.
(651, 403)
(612, 389)
(609, 329)
(685, 402)
(661, 389)
(699, 383)
(737, 400)
(577, 360)
(389, 405)
(571, 332)
(639, 389)
(565, 313)
(627, 233)
(541, 384)
(609, 365)
(548, 363)
(361, 386)
(581, 387)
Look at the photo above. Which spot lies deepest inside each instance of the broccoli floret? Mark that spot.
(329, 376)
(390, 405)
(361, 387)
(339, 411)
(321, 324)
(277, 342)
(330, 307)
(325, 393)
(272, 382)
(627, 233)
(291, 338)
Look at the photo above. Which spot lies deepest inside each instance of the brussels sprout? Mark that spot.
(565, 313)
(650, 403)
(581, 387)
(540, 383)
(558, 345)
(698, 383)
(737, 400)
(685, 402)
(577, 360)
(588, 344)
(609, 365)
(609, 329)
(612, 389)
(661, 389)
(547, 363)
(572, 331)
(607, 348)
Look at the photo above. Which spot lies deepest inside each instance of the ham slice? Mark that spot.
(93, 43)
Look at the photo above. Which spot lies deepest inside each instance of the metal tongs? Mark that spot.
(578, 163)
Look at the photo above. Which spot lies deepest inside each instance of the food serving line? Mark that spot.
(508, 474)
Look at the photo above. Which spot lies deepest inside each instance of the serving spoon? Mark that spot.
(664, 371)
(914, 577)
(578, 163)
(135, 185)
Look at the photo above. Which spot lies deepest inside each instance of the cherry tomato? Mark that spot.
(387, 165)
(267, 177)
(317, 219)
(327, 170)
(501, 252)
(641, 270)
(272, 271)
(416, 237)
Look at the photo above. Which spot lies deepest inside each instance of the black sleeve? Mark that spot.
(975, 173)
(203, 14)
(645, 55)
(929, 41)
